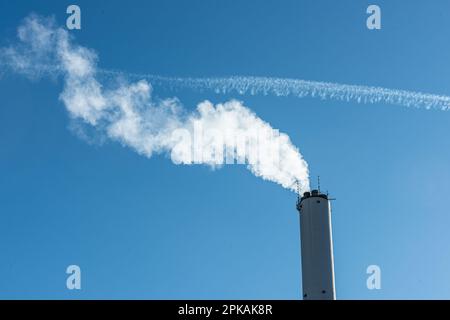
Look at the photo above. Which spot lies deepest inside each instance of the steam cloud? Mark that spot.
(126, 112)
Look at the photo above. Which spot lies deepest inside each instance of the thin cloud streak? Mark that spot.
(298, 88)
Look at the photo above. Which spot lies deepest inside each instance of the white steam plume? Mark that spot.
(126, 112)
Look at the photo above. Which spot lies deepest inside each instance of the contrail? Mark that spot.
(297, 88)
(281, 87)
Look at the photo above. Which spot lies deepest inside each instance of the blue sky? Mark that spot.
(146, 228)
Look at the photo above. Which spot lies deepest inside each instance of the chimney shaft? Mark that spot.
(316, 246)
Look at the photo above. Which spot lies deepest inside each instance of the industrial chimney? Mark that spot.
(316, 246)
